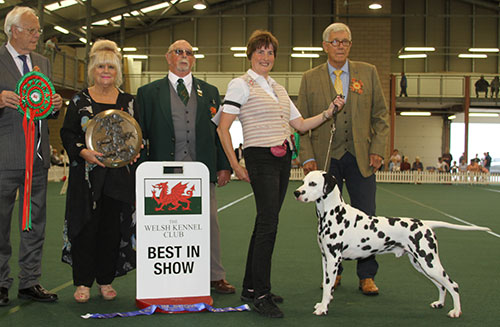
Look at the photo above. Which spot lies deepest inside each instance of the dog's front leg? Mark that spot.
(329, 275)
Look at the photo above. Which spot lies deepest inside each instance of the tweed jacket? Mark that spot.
(155, 119)
(12, 140)
(370, 115)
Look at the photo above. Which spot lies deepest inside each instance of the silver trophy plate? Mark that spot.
(116, 135)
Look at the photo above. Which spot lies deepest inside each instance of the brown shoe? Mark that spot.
(368, 287)
(222, 286)
(337, 282)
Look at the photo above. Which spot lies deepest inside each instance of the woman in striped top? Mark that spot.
(266, 113)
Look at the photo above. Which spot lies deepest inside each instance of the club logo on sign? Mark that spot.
(172, 197)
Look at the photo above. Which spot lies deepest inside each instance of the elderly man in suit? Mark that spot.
(16, 59)
(361, 133)
(175, 117)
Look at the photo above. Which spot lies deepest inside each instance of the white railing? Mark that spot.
(423, 177)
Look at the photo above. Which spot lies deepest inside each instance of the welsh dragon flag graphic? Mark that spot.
(172, 196)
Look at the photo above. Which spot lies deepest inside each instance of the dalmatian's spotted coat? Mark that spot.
(347, 233)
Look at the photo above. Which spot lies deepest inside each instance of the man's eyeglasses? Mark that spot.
(180, 52)
(31, 31)
(337, 43)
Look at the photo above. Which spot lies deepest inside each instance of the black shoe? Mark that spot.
(4, 296)
(266, 307)
(247, 296)
(37, 293)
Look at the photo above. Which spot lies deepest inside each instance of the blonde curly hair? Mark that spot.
(105, 52)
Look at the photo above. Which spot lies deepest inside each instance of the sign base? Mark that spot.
(144, 303)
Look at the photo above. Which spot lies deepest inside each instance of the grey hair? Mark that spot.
(105, 52)
(336, 27)
(14, 18)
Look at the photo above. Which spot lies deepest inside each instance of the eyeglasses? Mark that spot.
(337, 43)
(30, 31)
(180, 52)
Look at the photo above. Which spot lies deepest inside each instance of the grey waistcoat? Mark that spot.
(184, 118)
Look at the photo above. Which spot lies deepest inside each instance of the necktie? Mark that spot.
(26, 69)
(182, 91)
(338, 83)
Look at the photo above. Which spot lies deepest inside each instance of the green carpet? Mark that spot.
(470, 258)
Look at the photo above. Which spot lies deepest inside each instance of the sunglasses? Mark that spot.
(180, 52)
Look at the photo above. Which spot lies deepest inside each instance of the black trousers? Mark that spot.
(95, 249)
(269, 179)
(362, 194)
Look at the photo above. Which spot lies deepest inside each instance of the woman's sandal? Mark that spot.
(107, 292)
(82, 294)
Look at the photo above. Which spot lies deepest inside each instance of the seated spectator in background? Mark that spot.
(495, 86)
(417, 165)
(462, 167)
(475, 167)
(395, 161)
(442, 166)
(405, 165)
(482, 86)
(394, 165)
(454, 168)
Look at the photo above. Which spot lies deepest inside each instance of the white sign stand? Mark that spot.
(173, 233)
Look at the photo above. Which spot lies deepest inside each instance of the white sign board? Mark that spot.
(173, 231)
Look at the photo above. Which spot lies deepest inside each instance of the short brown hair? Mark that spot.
(260, 38)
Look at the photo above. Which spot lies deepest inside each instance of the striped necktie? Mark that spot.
(182, 91)
(339, 88)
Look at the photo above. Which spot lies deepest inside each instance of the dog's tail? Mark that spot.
(441, 224)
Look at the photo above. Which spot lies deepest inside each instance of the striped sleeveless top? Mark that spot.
(265, 122)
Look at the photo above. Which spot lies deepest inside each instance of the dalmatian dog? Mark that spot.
(348, 233)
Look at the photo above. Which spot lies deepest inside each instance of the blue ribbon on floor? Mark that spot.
(167, 308)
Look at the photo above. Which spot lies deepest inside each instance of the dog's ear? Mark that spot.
(330, 183)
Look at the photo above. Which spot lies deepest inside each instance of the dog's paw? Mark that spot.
(320, 309)
(437, 305)
(454, 313)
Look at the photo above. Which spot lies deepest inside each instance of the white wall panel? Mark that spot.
(419, 136)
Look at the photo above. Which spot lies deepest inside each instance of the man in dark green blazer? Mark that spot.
(175, 117)
(362, 129)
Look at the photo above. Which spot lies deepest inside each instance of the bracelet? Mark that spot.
(325, 115)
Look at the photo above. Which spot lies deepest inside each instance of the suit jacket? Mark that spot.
(155, 119)
(370, 115)
(12, 140)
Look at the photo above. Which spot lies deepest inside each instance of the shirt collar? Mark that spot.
(261, 78)
(188, 79)
(13, 51)
(344, 69)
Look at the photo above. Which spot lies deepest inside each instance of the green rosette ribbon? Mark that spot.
(35, 102)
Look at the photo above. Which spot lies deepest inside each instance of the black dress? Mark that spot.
(88, 183)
